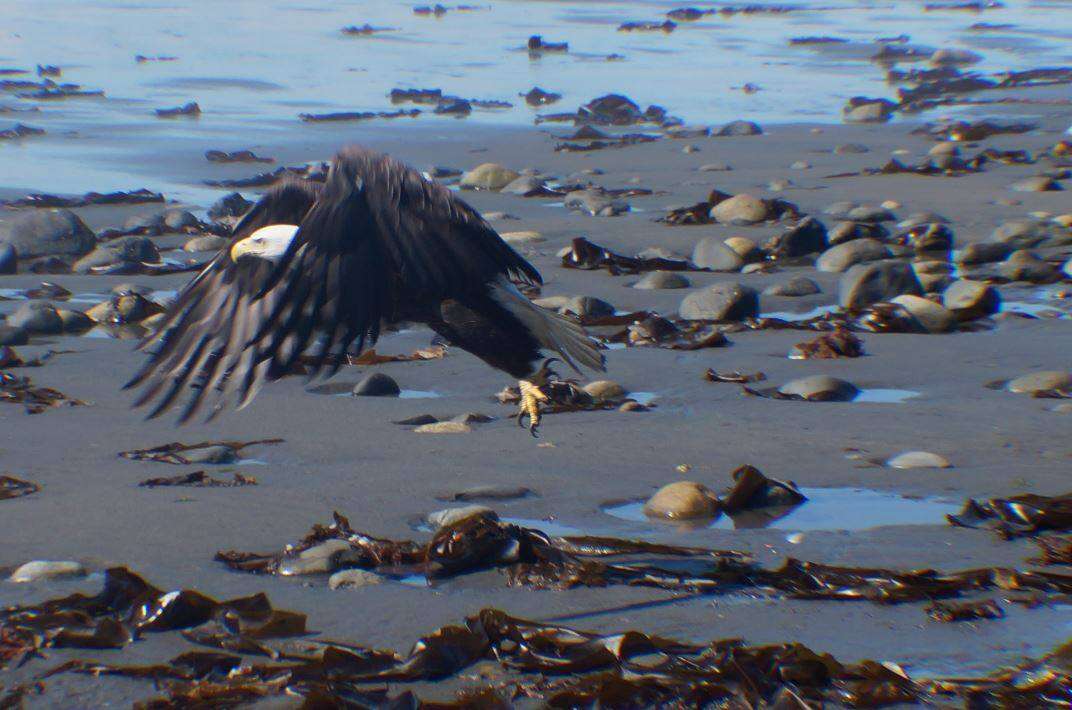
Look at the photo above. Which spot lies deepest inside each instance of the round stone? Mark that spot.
(682, 500)
(971, 299)
(727, 301)
(820, 388)
(46, 569)
(354, 578)
(843, 256)
(209, 242)
(452, 516)
(488, 176)
(604, 390)
(662, 279)
(377, 385)
(47, 232)
(933, 317)
(794, 288)
(36, 317)
(712, 253)
(588, 306)
(740, 209)
(1040, 382)
(918, 459)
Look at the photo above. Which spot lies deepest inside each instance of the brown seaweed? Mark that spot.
(11, 487)
(586, 255)
(839, 343)
(132, 197)
(948, 612)
(357, 115)
(733, 377)
(173, 453)
(21, 390)
(237, 156)
(1055, 549)
(1017, 516)
(200, 479)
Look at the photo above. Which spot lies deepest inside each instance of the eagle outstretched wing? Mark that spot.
(375, 230)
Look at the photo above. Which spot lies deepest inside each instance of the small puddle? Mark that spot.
(804, 315)
(644, 398)
(885, 396)
(250, 462)
(414, 580)
(93, 298)
(825, 509)
(418, 394)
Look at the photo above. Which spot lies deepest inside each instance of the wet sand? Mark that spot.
(344, 453)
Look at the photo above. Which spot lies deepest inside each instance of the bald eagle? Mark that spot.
(315, 270)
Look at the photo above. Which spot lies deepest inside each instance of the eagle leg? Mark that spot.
(532, 395)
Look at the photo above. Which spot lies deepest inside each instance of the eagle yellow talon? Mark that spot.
(531, 396)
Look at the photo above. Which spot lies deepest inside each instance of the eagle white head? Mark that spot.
(269, 243)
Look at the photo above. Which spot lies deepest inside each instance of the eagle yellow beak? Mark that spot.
(240, 248)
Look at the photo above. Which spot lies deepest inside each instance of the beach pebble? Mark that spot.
(1040, 382)
(858, 251)
(740, 209)
(595, 202)
(526, 186)
(1022, 265)
(47, 232)
(131, 249)
(847, 231)
(144, 223)
(444, 428)
(944, 148)
(712, 253)
(801, 165)
(604, 390)
(9, 259)
(521, 238)
(794, 288)
(500, 217)
(971, 299)
(662, 279)
(690, 149)
(13, 335)
(177, 220)
(632, 406)
(867, 111)
(932, 237)
(839, 209)
(452, 516)
(981, 253)
(876, 281)
(851, 149)
(933, 317)
(954, 57)
(714, 168)
(744, 248)
(354, 578)
(488, 176)
(933, 276)
(1035, 183)
(794, 538)
(229, 206)
(124, 308)
(820, 388)
(36, 317)
(726, 301)
(74, 321)
(918, 459)
(870, 213)
(1025, 234)
(740, 128)
(377, 385)
(588, 306)
(805, 237)
(208, 242)
(46, 569)
(682, 500)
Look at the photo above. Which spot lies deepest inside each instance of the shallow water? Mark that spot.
(826, 509)
(885, 396)
(254, 67)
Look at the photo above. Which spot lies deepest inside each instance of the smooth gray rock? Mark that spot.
(712, 253)
(662, 279)
(740, 128)
(741, 209)
(1036, 183)
(1040, 382)
(858, 251)
(931, 317)
(871, 112)
(847, 231)
(865, 284)
(36, 317)
(982, 253)
(450, 516)
(9, 259)
(145, 223)
(488, 176)
(1025, 234)
(47, 232)
(177, 220)
(207, 242)
(971, 299)
(870, 213)
(820, 388)
(588, 306)
(807, 236)
(38, 570)
(793, 288)
(595, 202)
(377, 385)
(525, 186)
(354, 579)
(929, 238)
(727, 301)
(1022, 265)
(840, 209)
(918, 459)
(229, 206)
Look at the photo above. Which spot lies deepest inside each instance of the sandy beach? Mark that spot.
(937, 392)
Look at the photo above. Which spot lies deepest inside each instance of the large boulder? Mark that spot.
(727, 301)
(47, 232)
(865, 284)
